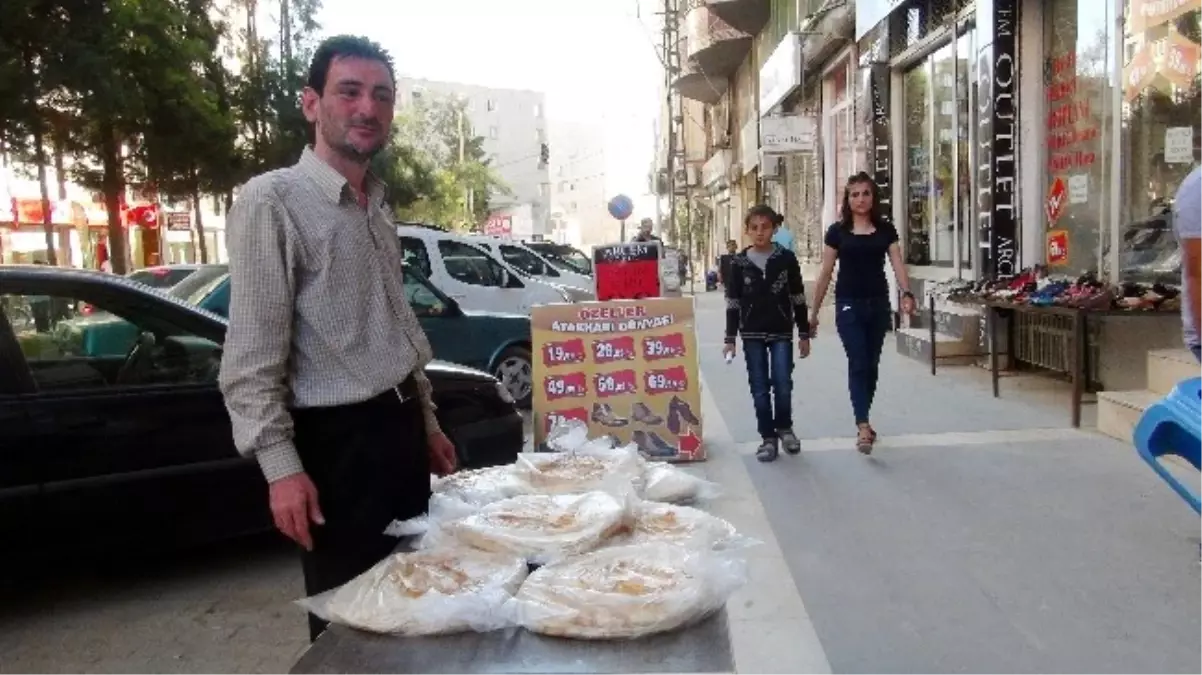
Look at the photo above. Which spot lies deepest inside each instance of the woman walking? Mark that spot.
(859, 241)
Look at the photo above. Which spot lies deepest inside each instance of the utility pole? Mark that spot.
(671, 59)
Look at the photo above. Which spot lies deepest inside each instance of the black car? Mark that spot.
(134, 452)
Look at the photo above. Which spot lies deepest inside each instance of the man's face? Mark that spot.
(760, 229)
(354, 113)
(731, 246)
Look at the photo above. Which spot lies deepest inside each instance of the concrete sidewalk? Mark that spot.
(982, 536)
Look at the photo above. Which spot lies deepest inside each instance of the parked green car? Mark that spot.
(489, 341)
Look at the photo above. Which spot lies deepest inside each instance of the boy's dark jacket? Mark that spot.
(766, 304)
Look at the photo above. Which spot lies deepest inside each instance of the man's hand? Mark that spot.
(728, 350)
(813, 324)
(293, 506)
(908, 305)
(803, 348)
(442, 454)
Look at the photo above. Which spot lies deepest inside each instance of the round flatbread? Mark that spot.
(575, 473)
(682, 525)
(620, 592)
(665, 483)
(478, 487)
(541, 527)
(429, 592)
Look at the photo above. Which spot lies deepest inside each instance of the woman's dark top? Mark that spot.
(861, 261)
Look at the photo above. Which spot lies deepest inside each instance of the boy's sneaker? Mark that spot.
(767, 452)
(789, 440)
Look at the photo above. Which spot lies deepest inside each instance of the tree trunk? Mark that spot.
(60, 172)
(39, 150)
(114, 186)
(200, 225)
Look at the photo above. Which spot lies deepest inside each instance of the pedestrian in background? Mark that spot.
(644, 234)
(725, 260)
(1187, 226)
(765, 298)
(783, 237)
(860, 241)
(328, 395)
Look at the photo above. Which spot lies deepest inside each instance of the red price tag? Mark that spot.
(563, 417)
(666, 380)
(660, 347)
(613, 349)
(571, 385)
(615, 383)
(567, 351)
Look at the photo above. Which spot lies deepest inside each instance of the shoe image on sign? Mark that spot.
(652, 445)
(679, 411)
(605, 416)
(641, 413)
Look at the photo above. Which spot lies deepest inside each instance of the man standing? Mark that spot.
(322, 372)
(725, 260)
(1187, 225)
(644, 233)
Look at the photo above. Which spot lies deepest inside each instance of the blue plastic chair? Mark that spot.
(1173, 426)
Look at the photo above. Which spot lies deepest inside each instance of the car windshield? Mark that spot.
(161, 277)
(525, 261)
(565, 258)
(198, 286)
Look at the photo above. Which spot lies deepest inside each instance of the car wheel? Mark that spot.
(515, 370)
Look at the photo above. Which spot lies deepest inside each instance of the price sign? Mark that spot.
(659, 347)
(570, 385)
(1058, 247)
(615, 383)
(565, 351)
(563, 417)
(613, 349)
(627, 271)
(666, 380)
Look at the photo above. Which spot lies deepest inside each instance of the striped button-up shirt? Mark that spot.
(318, 313)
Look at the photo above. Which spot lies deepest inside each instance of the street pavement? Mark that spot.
(983, 535)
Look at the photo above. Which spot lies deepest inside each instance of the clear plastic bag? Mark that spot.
(479, 486)
(683, 526)
(567, 435)
(590, 467)
(626, 591)
(539, 528)
(432, 592)
(663, 482)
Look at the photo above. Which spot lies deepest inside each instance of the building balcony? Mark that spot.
(713, 51)
(749, 16)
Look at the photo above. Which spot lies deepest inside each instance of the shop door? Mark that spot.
(151, 247)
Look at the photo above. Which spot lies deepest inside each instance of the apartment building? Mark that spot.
(578, 185)
(513, 125)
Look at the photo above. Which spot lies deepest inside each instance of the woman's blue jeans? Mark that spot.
(862, 324)
(770, 375)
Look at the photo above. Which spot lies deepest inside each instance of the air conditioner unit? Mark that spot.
(772, 168)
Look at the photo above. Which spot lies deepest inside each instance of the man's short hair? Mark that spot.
(343, 46)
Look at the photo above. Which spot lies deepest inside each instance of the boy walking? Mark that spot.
(765, 298)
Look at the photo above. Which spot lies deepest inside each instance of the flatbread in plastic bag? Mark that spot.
(683, 526)
(626, 591)
(478, 487)
(428, 592)
(539, 528)
(663, 482)
(614, 470)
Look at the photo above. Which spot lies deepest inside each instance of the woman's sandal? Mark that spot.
(864, 440)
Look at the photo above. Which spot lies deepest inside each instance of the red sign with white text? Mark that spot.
(1057, 198)
(564, 351)
(627, 271)
(659, 347)
(666, 380)
(568, 385)
(613, 349)
(563, 416)
(616, 383)
(1058, 247)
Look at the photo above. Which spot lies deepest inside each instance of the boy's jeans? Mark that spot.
(770, 375)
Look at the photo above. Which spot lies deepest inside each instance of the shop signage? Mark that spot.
(627, 271)
(781, 73)
(626, 369)
(179, 221)
(1147, 14)
(997, 160)
(1138, 73)
(1078, 188)
(749, 142)
(1058, 247)
(1179, 145)
(498, 225)
(869, 13)
(1053, 208)
(1180, 60)
(880, 154)
(786, 134)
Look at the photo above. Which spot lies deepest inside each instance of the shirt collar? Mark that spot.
(333, 184)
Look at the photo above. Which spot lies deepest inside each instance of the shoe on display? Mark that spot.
(683, 409)
(768, 450)
(605, 416)
(642, 414)
(789, 440)
(652, 445)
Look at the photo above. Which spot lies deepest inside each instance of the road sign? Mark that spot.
(621, 207)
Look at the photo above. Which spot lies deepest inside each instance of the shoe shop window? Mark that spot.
(1160, 135)
(1077, 99)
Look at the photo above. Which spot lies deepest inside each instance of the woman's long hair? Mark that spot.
(845, 217)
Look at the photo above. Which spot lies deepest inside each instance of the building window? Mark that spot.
(538, 110)
(491, 105)
(840, 129)
(494, 133)
(938, 145)
(1160, 136)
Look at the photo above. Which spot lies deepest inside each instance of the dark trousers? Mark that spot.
(370, 463)
(770, 376)
(862, 324)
